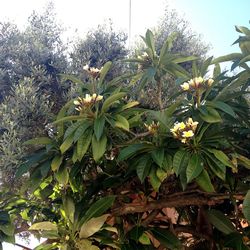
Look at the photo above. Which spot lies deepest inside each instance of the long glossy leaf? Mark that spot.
(204, 181)
(143, 167)
(226, 58)
(98, 147)
(212, 116)
(98, 208)
(67, 143)
(179, 161)
(104, 71)
(110, 100)
(121, 122)
(194, 168)
(246, 206)
(99, 126)
(92, 226)
(83, 144)
(222, 106)
(220, 221)
(38, 141)
(56, 162)
(166, 238)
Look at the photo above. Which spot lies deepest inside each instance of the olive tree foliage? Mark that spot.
(38, 45)
(99, 46)
(24, 114)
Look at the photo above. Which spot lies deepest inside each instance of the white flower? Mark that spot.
(185, 86)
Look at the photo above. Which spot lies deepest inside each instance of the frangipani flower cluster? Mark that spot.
(184, 131)
(197, 83)
(153, 127)
(81, 103)
(94, 72)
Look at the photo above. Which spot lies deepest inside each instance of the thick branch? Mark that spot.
(182, 199)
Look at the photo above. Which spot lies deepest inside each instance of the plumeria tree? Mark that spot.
(114, 175)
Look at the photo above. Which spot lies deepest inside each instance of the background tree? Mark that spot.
(185, 42)
(100, 45)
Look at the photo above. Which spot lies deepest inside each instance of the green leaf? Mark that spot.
(112, 99)
(243, 30)
(246, 206)
(98, 147)
(220, 221)
(150, 40)
(229, 57)
(38, 141)
(222, 106)
(80, 131)
(168, 44)
(98, 208)
(7, 229)
(92, 226)
(185, 59)
(179, 161)
(194, 168)
(56, 162)
(161, 174)
(244, 161)
(62, 176)
(121, 122)
(166, 238)
(83, 144)
(129, 105)
(133, 149)
(222, 157)
(204, 181)
(99, 126)
(71, 129)
(234, 241)
(67, 143)
(154, 180)
(69, 118)
(144, 239)
(69, 208)
(143, 167)
(104, 71)
(45, 225)
(211, 115)
(158, 156)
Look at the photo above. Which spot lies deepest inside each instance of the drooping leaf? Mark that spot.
(143, 167)
(246, 206)
(99, 126)
(92, 226)
(62, 176)
(179, 161)
(98, 147)
(154, 180)
(121, 122)
(222, 106)
(194, 168)
(80, 130)
(98, 208)
(158, 156)
(166, 238)
(104, 71)
(44, 225)
(71, 129)
(112, 99)
(211, 115)
(56, 162)
(131, 150)
(220, 221)
(83, 144)
(204, 181)
(67, 143)
(69, 208)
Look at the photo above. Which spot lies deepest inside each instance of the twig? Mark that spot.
(24, 247)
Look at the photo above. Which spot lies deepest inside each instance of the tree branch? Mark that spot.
(23, 247)
(181, 199)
